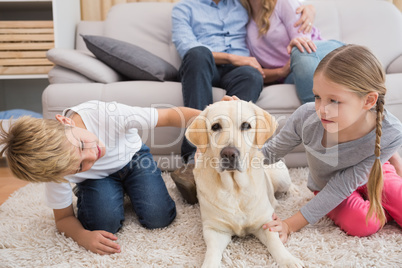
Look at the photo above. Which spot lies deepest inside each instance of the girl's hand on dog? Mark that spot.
(277, 225)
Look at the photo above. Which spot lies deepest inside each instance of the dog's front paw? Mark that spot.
(211, 264)
(291, 262)
(293, 190)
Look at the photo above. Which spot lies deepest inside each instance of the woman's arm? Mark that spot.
(289, 18)
(306, 19)
(272, 75)
(99, 241)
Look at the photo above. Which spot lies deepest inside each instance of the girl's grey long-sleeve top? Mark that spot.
(336, 172)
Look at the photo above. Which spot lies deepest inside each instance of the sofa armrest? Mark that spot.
(395, 66)
(83, 63)
(61, 75)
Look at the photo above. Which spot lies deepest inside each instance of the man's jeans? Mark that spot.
(303, 65)
(101, 202)
(199, 73)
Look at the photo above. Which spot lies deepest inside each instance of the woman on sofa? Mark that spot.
(286, 54)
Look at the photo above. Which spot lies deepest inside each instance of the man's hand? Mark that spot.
(285, 70)
(236, 60)
(244, 61)
(307, 18)
(301, 42)
(100, 242)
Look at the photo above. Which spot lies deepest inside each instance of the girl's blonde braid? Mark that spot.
(375, 181)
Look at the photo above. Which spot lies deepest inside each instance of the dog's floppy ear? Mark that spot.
(197, 132)
(265, 127)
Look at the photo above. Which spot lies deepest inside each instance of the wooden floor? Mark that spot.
(8, 183)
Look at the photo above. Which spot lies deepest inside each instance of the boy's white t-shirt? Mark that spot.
(116, 125)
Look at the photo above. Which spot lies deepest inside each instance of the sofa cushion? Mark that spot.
(393, 98)
(144, 24)
(340, 19)
(395, 66)
(130, 60)
(83, 63)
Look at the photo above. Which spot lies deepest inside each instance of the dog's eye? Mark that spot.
(216, 127)
(245, 126)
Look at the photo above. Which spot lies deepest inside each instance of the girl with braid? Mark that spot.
(350, 142)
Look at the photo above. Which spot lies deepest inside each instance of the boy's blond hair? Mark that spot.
(37, 150)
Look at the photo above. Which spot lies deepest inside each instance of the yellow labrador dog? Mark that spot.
(234, 188)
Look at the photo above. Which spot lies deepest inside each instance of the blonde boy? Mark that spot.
(95, 145)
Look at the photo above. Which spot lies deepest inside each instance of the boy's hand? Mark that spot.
(277, 225)
(100, 242)
(229, 98)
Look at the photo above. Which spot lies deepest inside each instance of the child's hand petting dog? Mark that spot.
(277, 225)
(229, 98)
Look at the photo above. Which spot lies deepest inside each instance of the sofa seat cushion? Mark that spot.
(279, 98)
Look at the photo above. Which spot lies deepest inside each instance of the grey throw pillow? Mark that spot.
(130, 60)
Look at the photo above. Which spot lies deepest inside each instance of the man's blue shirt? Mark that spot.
(220, 28)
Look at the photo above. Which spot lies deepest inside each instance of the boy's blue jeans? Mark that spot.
(101, 202)
(303, 65)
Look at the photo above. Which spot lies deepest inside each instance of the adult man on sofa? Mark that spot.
(210, 37)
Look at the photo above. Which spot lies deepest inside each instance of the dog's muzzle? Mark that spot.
(230, 157)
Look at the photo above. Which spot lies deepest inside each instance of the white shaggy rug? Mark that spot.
(28, 238)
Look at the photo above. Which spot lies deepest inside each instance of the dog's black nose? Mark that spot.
(229, 158)
(230, 153)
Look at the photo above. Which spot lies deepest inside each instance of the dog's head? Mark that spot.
(231, 132)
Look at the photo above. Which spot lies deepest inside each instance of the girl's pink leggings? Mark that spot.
(350, 215)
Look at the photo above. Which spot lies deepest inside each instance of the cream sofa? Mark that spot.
(375, 24)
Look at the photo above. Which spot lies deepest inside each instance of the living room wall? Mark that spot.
(97, 9)
(397, 3)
